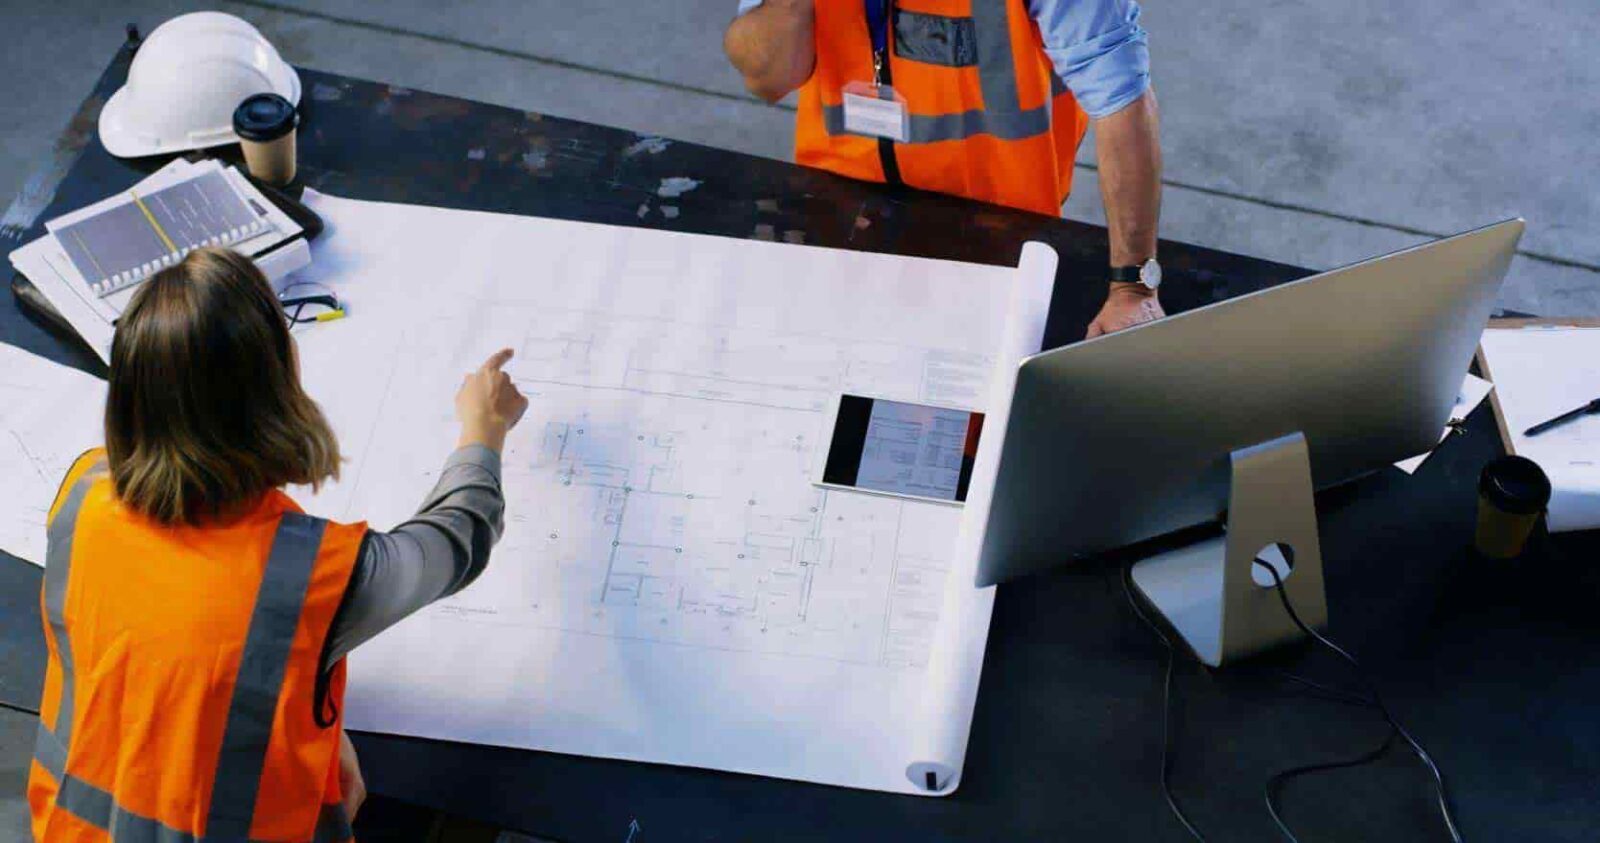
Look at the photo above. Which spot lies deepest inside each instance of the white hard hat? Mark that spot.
(185, 82)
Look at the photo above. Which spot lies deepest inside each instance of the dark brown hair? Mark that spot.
(205, 411)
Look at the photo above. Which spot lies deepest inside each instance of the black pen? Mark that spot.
(1587, 409)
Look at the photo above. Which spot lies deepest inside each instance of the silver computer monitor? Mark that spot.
(1130, 436)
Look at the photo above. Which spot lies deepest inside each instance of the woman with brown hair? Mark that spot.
(196, 619)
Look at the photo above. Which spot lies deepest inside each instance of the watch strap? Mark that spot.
(1126, 275)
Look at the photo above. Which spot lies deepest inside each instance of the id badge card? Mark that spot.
(876, 111)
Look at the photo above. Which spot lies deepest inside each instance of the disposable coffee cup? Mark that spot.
(265, 124)
(1513, 493)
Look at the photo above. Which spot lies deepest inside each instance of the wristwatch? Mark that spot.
(1147, 274)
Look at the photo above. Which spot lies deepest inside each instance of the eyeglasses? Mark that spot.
(304, 302)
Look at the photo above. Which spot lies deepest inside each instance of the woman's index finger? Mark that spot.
(497, 359)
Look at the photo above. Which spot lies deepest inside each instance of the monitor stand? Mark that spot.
(1211, 591)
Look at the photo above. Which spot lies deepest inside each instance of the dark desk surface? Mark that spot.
(1493, 667)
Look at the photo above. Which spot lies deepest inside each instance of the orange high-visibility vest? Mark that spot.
(178, 699)
(989, 118)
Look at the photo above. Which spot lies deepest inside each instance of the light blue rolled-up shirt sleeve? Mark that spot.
(1098, 48)
(747, 5)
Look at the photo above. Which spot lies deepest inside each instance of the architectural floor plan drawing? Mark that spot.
(690, 464)
(671, 585)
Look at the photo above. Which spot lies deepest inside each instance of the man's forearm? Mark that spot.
(1129, 147)
(772, 48)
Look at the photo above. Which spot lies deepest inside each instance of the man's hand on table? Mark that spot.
(1126, 305)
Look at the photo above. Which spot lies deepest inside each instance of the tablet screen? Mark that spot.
(903, 449)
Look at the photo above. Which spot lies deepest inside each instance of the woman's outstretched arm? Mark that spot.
(436, 553)
(446, 545)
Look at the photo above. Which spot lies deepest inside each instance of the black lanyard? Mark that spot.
(878, 25)
(878, 28)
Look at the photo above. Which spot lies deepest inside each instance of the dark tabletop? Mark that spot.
(1493, 667)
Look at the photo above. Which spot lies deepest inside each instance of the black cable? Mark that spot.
(1277, 780)
(1275, 783)
(1166, 705)
(1377, 700)
(1329, 692)
(19, 709)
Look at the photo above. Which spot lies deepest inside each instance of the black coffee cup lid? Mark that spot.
(1516, 485)
(264, 117)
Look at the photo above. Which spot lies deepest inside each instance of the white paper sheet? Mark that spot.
(1540, 373)
(49, 414)
(1473, 390)
(671, 586)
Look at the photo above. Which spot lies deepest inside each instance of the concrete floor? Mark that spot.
(1315, 133)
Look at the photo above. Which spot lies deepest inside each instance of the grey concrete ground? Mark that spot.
(1314, 132)
(16, 747)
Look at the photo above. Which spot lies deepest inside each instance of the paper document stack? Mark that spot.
(49, 414)
(92, 260)
(1540, 373)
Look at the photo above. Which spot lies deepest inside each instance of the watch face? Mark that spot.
(1150, 274)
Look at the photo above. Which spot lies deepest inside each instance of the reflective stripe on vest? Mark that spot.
(99, 809)
(57, 567)
(257, 687)
(50, 752)
(984, 39)
(260, 678)
(929, 128)
(997, 76)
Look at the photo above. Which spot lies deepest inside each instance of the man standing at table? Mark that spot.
(986, 99)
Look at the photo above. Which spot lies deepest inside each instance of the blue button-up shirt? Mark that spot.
(1097, 46)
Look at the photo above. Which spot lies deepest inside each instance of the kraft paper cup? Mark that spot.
(1513, 493)
(265, 124)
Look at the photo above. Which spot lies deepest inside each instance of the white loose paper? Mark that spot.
(49, 415)
(1473, 390)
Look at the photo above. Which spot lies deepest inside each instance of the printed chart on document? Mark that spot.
(670, 586)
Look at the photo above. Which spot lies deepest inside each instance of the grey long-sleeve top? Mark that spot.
(436, 553)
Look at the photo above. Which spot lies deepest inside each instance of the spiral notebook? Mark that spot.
(135, 236)
(90, 262)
